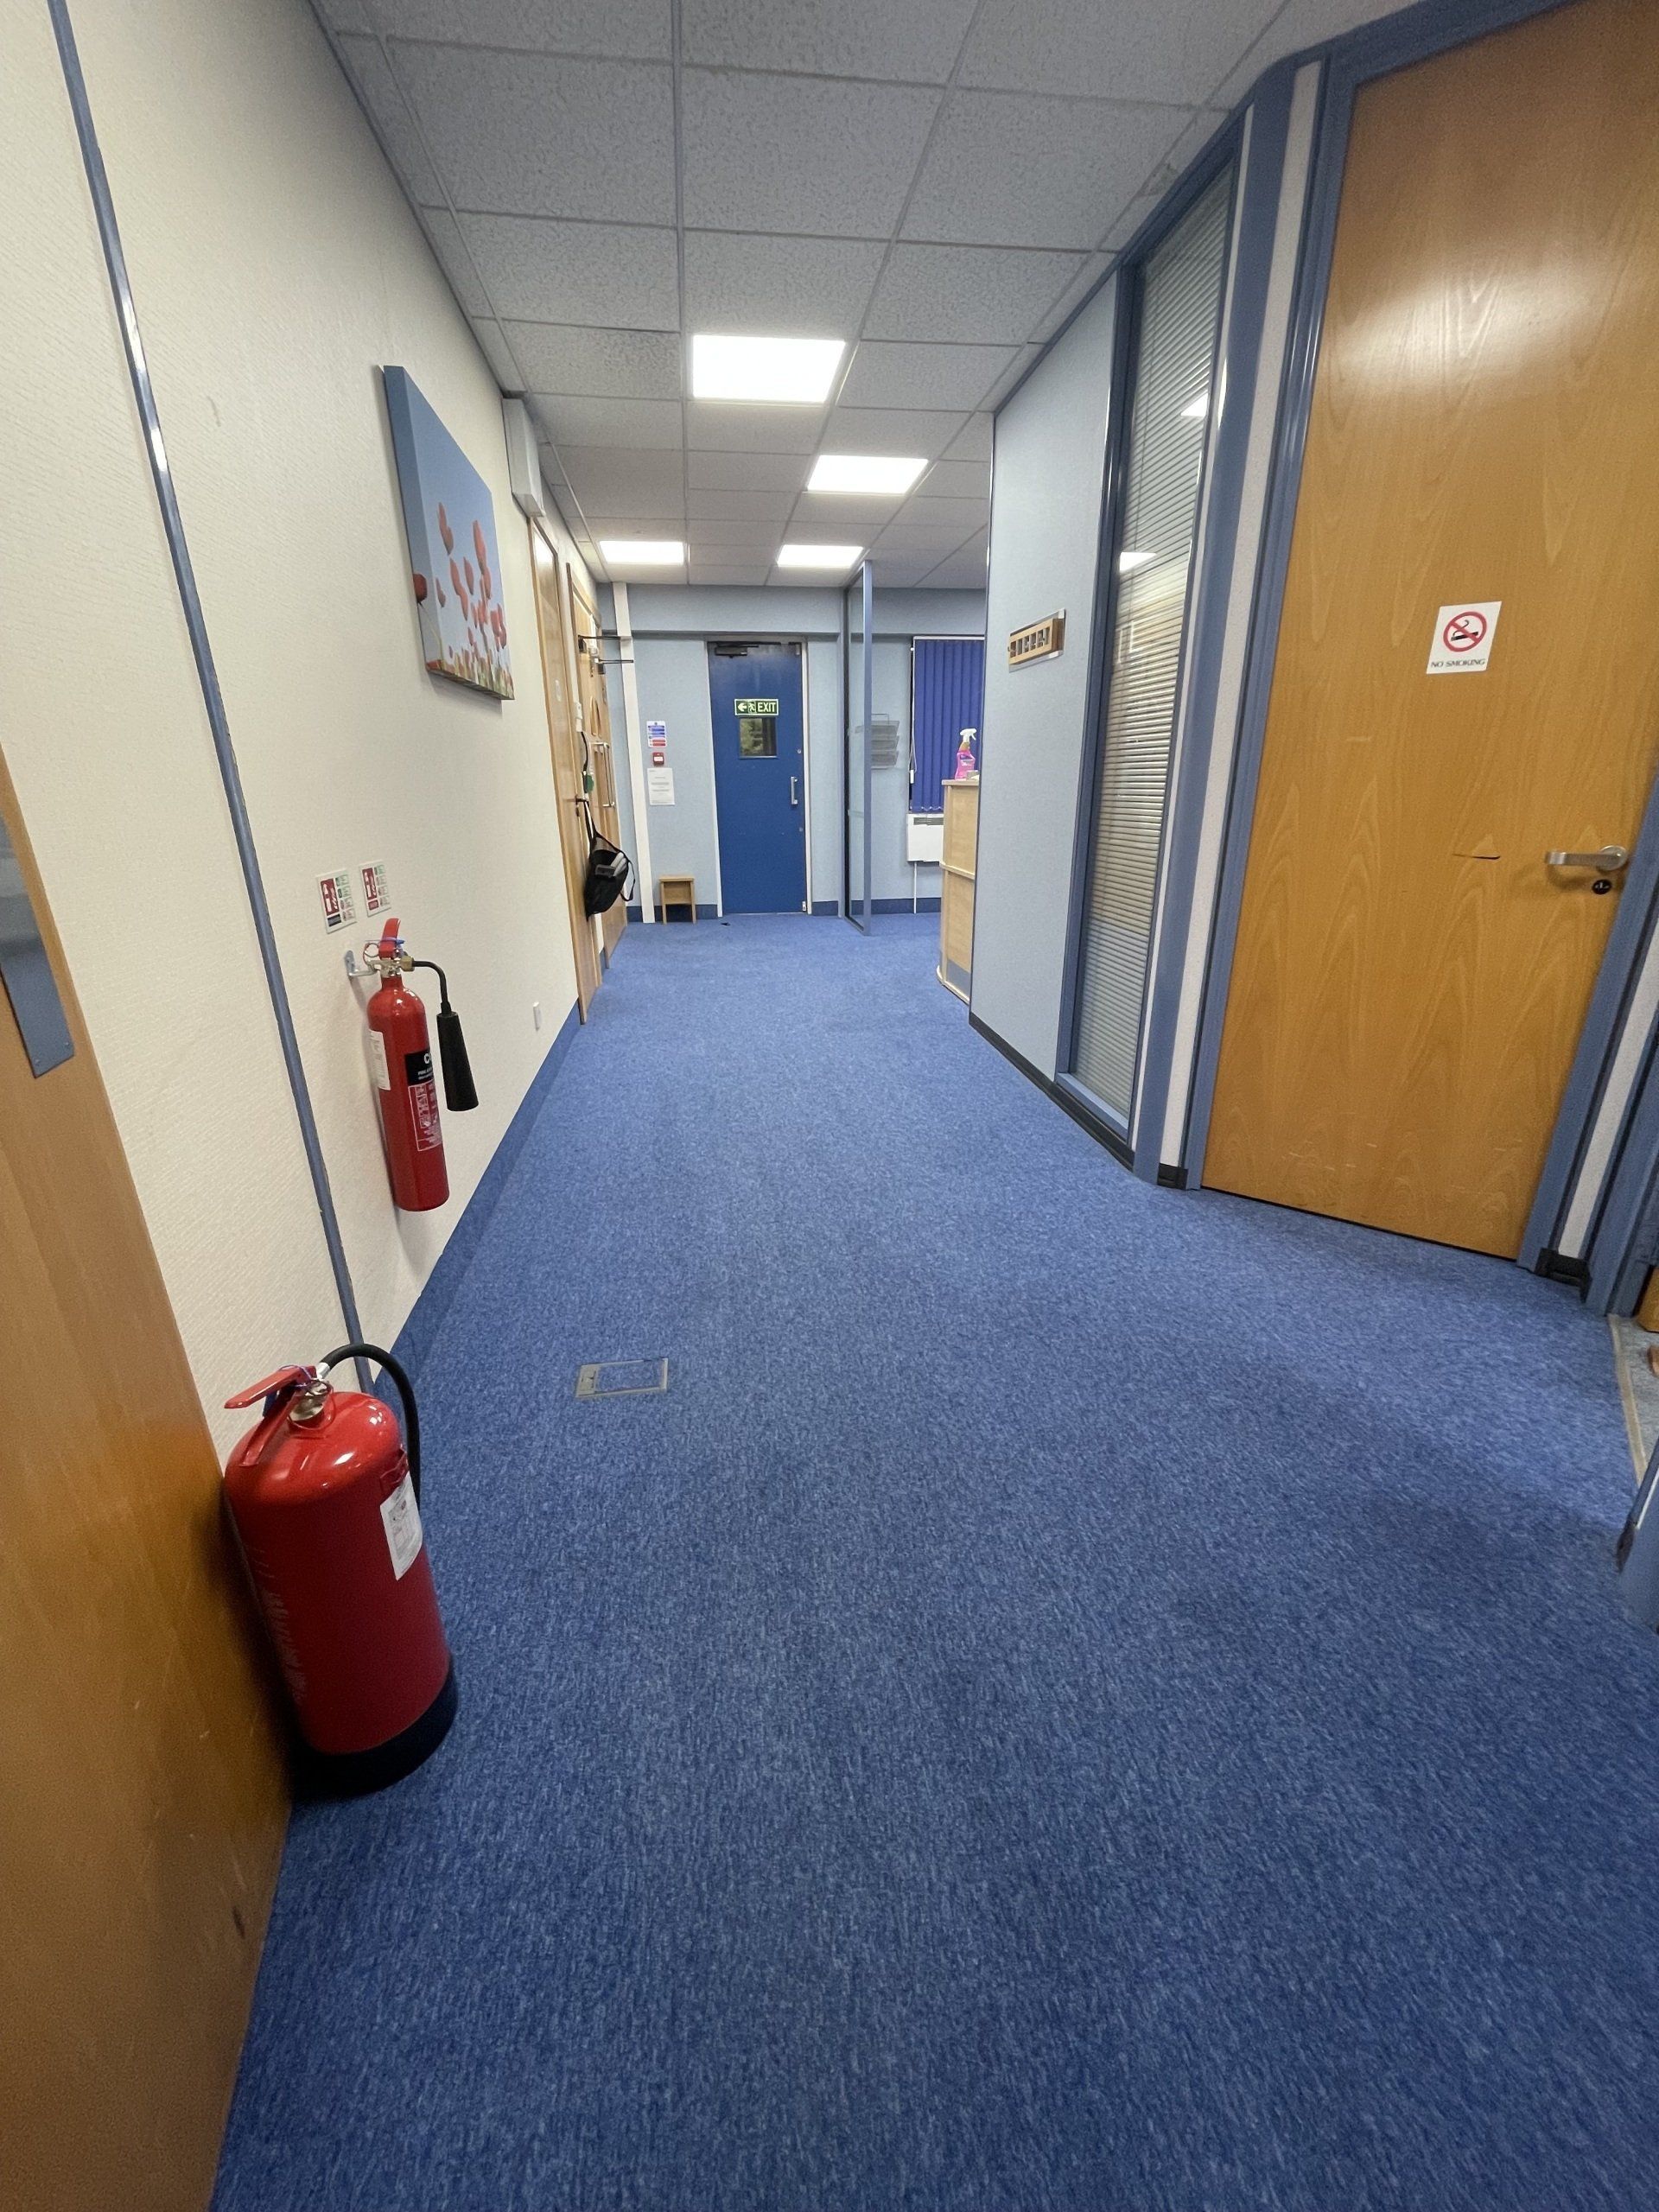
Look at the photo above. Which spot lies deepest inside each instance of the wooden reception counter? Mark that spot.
(957, 887)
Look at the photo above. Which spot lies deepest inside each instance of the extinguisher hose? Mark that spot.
(405, 1391)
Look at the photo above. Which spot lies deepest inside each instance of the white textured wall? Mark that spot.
(1047, 488)
(275, 266)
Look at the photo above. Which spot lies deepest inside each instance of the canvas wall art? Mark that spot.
(449, 519)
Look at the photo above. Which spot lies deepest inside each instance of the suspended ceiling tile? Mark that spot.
(643, 425)
(730, 572)
(1113, 49)
(503, 366)
(527, 134)
(970, 295)
(898, 569)
(454, 260)
(886, 374)
(727, 426)
(638, 30)
(710, 502)
(959, 479)
(1185, 148)
(1017, 170)
(911, 539)
(748, 472)
(382, 96)
(1023, 359)
(962, 572)
(946, 513)
(799, 154)
(609, 526)
(624, 482)
(794, 287)
(573, 359)
(537, 270)
(972, 441)
(828, 514)
(916, 40)
(737, 536)
(919, 431)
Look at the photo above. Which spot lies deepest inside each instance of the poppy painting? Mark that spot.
(449, 520)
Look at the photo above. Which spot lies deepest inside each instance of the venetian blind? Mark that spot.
(1169, 411)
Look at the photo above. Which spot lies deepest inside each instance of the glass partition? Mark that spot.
(858, 662)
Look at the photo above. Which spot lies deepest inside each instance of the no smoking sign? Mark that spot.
(1462, 644)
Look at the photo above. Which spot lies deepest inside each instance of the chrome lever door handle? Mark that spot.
(1608, 862)
(794, 791)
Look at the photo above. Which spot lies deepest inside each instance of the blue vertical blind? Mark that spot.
(1169, 411)
(947, 695)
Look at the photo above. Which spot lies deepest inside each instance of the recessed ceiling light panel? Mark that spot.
(796, 372)
(818, 556)
(643, 552)
(874, 475)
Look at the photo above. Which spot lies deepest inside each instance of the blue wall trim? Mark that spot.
(904, 906)
(420, 1331)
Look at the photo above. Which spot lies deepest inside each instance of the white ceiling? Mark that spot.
(938, 181)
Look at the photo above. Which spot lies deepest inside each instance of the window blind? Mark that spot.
(947, 691)
(1171, 366)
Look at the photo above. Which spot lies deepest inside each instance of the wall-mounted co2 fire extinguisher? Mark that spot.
(325, 1495)
(400, 1055)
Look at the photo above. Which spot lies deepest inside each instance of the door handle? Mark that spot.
(1608, 862)
(794, 791)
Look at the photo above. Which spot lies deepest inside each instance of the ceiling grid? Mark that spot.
(937, 182)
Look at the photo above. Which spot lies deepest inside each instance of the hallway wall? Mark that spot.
(671, 623)
(275, 265)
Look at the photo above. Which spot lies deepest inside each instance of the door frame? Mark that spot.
(1587, 1195)
(550, 629)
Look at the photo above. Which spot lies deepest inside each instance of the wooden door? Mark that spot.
(141, 1795)
(566, 764)
(1411, 978)
(596, 736)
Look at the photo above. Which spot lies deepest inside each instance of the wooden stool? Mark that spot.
(677, 891)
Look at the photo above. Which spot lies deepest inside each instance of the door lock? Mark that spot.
(1608, 862)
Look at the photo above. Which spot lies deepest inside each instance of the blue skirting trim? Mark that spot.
(677, 914)
(416, 1338)
(826, 905)
(904, 906)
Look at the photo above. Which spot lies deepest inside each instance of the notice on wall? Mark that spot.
(660, 787)
(656, 739)
(1462, 644)
(376, 895)
(337, 905)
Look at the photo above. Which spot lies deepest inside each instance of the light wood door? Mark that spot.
(1410, 978)
(596, 734)
(566, 764)
(141, 1797)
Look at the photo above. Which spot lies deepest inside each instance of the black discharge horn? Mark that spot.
(459, 1092)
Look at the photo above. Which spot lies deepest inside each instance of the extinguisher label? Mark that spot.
(401, 1517)
(378, 1067)
(423, 1099)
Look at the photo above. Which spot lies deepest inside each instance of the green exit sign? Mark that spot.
(754, 706)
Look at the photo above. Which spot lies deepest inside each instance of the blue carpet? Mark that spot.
(1080, 1696)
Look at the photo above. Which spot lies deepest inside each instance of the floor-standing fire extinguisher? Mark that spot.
(401, 1055)
(324, 1495)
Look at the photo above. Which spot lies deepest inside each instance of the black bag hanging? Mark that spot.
(608, 873)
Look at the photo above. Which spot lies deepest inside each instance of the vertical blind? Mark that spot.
(947, 692)
(1172, 364)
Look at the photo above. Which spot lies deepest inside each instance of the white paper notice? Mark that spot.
(401, 1517)
(660, 787)
(1463, 637)
(375, 1045)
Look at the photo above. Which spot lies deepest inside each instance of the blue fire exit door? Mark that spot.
(755, 692)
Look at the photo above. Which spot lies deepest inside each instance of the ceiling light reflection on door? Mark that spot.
(643, 552)
(874, 475)
(818, 556)
(796, 372)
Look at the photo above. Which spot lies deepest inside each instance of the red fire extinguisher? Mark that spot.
(324, 1495)
(401, 1055)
